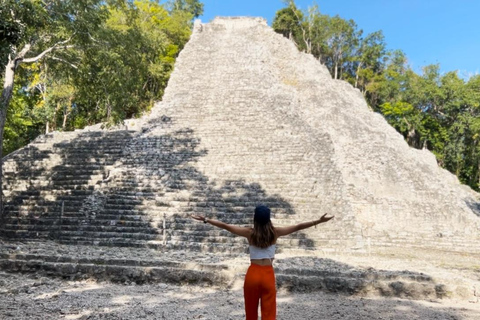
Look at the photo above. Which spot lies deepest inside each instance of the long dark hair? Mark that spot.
(263, 234)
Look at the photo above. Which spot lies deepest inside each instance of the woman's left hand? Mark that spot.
(324, 218)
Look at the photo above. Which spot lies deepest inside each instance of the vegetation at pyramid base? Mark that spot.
(431, 110)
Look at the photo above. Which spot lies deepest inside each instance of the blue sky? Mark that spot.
(428, 31)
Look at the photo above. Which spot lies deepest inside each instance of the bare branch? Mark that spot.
(92, 38)
(23, 52)
(64, 61)
(59, 45)
(41, 55)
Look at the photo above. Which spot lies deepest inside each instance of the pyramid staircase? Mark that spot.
(119, 189)
(56, 191)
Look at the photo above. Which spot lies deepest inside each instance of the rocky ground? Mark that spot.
(30, 297)
(34, 296)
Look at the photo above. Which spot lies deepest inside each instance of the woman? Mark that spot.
(260, 278)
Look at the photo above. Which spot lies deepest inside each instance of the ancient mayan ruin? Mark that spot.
(246, 119)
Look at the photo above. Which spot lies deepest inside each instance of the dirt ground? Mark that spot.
(35, 297)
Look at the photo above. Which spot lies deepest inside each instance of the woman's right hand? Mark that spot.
(199, 218)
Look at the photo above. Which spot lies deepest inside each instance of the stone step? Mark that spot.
(205, 239)
(213, 247)
(71, 176)
(113, 242)
(119, 218)
(125, 216)
(46, 186)
(181, 224)
(113, 201)
(121, 238)
(29, 215)
(140, 207)
(87, 153)
(60, 187)
(83, 228)
(113, 215)
(87, 168)
(34, 156)
(76, 161)
(118, 235)
(21, 210)
(34, 171)
(77, 222)
(69, 201)
(106, 143)
(26, 234)
(139, 272)
(37, 194)
(73, 158)
(68, 182)
(358, 285)
(127, 192)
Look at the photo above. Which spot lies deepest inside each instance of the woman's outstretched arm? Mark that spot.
(239, 231)
(283, 231)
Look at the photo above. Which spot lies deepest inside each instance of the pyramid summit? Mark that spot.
(246, 119)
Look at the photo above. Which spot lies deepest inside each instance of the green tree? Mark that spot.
(122, 77)
(342, 40)
(193, 7)
(369, 59)
(37, 30)
(332, 40)
(390, 84)
(288, 22)
(20, 125)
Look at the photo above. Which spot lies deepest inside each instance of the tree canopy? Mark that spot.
(82, 62)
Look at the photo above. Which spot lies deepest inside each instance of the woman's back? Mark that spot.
(262, 253)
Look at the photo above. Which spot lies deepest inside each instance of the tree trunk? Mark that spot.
(336, 70)
(308, 43)
(478, 175)
(65, 117)
(413, 139)
(4, 102)
(356, 74)
(13, 61)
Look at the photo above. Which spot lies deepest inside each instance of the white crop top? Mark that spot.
(262, 253)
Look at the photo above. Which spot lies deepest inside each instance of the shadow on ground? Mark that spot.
(53, 299)
(474, 206)
(308, 274)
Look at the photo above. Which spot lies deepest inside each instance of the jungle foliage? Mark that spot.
(81, 62)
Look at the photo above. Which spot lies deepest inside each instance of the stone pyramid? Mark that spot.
(246, 119)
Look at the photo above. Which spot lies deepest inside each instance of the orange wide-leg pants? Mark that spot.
(260, 286)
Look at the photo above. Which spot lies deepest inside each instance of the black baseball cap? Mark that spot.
(262, 214)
